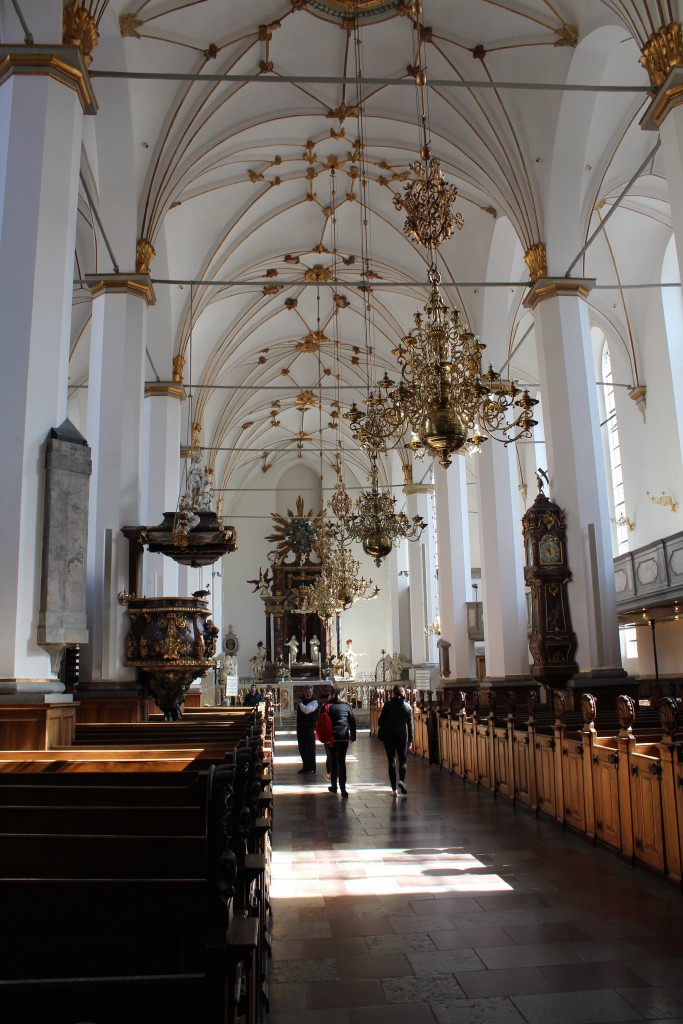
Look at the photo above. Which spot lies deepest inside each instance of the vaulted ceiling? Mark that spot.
(252, 186)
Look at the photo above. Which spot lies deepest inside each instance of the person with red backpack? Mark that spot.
(323, 732)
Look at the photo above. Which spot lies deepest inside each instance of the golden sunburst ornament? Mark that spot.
(296, 533)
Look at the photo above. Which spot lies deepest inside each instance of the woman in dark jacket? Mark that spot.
(395, 730)
(343, 733)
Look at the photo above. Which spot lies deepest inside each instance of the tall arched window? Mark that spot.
(612, 434)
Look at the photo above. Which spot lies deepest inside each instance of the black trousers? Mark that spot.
(338, 764)
(306, 738)
(397, 750)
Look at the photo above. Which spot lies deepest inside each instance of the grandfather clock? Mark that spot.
(546, 573)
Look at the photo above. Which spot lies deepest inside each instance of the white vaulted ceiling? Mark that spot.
(237, 181)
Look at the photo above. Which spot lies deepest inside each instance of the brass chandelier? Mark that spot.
(450, 404)
(376, 525)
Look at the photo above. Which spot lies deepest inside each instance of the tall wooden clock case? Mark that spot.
(546, 572)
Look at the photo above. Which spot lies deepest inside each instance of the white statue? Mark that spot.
(293, 645)
(314, 647)
(258, 661)
(350, 661)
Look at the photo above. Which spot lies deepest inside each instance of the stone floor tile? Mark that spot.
(286, 997)
(513, 982)
(389, 966)
(381, 944)
(595, 1006)
(496, 1010)
(659, 971)
(404, 1013)
(364, 992)
(561, 931)
(463, 938)
(327, 1016)
(574, 977)
(498, 957)
(323, 969)
(659, 1001)
(594, 952)
(424, 988)
(353, 945)
(451, 961)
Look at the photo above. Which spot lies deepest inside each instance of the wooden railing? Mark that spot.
(616, 777)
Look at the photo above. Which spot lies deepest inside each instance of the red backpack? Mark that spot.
(323, 727)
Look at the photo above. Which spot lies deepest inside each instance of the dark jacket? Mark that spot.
(395, 721)
(343, 721)
(305, 720)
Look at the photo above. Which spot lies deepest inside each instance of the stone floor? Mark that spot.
(450, 906)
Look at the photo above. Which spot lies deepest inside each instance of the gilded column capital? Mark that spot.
(144, 254)
(537, 261)
(120, 284)
(79, 28)
(662, 52)
(556, 288)
(165, 389)
(64, 64)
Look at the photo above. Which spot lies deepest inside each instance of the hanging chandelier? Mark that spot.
(450, 404)
(427, 202)
(382, 425)
(376, 525)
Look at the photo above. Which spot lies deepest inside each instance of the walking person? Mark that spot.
(395, 730)
(343, 732)
(306, 716)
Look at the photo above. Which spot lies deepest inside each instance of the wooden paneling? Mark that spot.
(36, 726)
(573, 788)
(544, 747)
(646, 801)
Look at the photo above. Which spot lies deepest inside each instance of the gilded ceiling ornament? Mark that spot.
(79, 29)
(318, 273)
(272, 289)
(662, 52)
(537, 261)
(178, 367)
(211, 52)
(144, 254)
(271, 272)
(305, 399)
(291, 303)
(254, 176)
(129, 25)
(291, 259)
(312, 341)
(310, 156)
(341, 112)
(196, 433)
(567, 35)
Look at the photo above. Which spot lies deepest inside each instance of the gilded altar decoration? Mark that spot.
(662, 52)
(144, 254)
(79, 28)
(536, 260)
(296, 533)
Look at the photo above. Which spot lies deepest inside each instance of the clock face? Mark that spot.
(549, 550)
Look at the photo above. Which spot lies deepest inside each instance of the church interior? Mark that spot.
(341, 342)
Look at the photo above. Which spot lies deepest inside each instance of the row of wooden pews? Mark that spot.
(134, 872)
(615, 777)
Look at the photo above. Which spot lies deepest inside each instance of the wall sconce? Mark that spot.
(665, 500)
(623, 521)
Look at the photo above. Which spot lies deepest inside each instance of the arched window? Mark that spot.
(612, 438)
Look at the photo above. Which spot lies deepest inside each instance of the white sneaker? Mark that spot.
(394, 793)
(402, 786)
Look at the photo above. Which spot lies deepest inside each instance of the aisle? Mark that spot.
(449, 905)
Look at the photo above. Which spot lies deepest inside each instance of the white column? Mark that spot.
(502, 571)
(666, 116)
(455, 570)
(421, 576)
(40, 147)
(163, 410)
(115, 422)
(576, 466)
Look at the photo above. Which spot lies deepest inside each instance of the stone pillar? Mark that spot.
(163, 413)
(665, 115)
(576, 468)
(502, 571)
(421, 578)
(455, 569)
(43, 94)
(115, 404)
